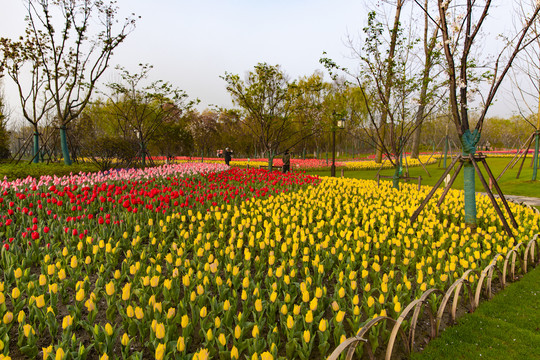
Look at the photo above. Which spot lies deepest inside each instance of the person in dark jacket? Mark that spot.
(228, 155)
(286, 162)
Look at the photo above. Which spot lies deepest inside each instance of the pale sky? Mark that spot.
(192, 43)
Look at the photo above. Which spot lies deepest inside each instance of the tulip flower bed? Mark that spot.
(313, 164)
(205, 261)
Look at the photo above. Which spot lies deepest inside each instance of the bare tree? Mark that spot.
(72, 42)
(20, 59)
(464, 20)
(527, 94)
(389, 83)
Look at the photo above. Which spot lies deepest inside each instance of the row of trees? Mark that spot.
(408, 72)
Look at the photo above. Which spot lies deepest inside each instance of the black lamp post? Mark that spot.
(338, 124)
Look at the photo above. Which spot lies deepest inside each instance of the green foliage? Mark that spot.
(23, 170)
(141, 110)
(108, 152)
(267, 100)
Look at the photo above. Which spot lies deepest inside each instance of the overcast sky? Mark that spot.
(192, 43)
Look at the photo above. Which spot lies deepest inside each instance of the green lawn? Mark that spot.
(506, 327)
(523, 186)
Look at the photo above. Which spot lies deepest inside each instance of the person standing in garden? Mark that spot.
(286, 162)
(227, 155)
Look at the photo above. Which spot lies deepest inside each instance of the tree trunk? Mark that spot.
(445, 151)
(535, 157)
(388, 84)
(397, 174)
(420, 115)
(270, 160)
(64, 145)
(35, 153)
(143, 154)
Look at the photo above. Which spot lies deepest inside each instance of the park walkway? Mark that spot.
(532, 201)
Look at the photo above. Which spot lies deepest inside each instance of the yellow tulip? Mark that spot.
(62, 274)
(27, 329)
(340, 315)
(160, 352)
(59, 354)
(234, 353)
(307, 336)
(237, 332)
(323, 325)
(203, 312)
(21, 316)
(185, 321)
(15, 293)
(125, 339)
(47, 351)
(222, 340)
(258, 305)
(309, 317)
(202, 354)
(160, 331)
(67, 321)
(40, 301)
(255, 331)
(108, 329)
(126, 292)
(290, 322)
(180, 344)
(8, 317)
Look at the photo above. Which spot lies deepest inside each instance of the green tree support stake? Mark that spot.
(468, 142)
(445, 151)
(399, 168)
(35, 153)
(535, 156)
(64, 145)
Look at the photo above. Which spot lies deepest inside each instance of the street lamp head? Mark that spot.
(341, 123)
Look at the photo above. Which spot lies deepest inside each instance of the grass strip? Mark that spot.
(506, 327)
(523, 186)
